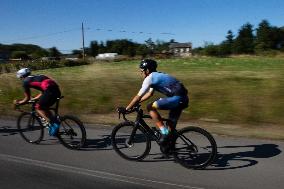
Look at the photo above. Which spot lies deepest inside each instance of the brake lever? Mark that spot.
(124, 117)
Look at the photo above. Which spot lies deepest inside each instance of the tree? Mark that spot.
(142, 50)
(121, 46)
(78, 53)
(277, 38)
(150, 46)
(264, 39)
(20, 55)
(162, 46)
(53, 52)
(33, 51)
(230, 37)
(94, 48)
(172, 41)
(226, 47)
(244, 43)
(210, 49)
(38, 54)
(102, 48)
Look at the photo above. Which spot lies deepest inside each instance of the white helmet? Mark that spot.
(24, 72)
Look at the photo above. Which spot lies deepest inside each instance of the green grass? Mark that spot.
(231, 90)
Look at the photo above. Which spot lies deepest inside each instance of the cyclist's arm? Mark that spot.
(25, 100)
(27, 93)
(147, 95)
(142, 92)
(37, 96)
(135, 100)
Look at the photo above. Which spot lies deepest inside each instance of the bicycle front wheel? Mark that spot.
(72, 133)
(30, 128)
(194, 148)
(130, 142)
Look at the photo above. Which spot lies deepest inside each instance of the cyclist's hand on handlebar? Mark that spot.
(121, 110)
(16, 104)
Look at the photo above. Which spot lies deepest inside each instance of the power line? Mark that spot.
(133, 32)
(44, 36)
(88, 28)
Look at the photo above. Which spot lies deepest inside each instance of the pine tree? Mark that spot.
(244, 43)
(264, 39)
(54, 52)
(226, 46)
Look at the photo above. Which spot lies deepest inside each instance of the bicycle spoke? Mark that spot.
(130, 143)
(72, 133)
(194, 148)
(30, 128)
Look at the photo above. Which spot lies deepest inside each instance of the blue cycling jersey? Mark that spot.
(163, 83)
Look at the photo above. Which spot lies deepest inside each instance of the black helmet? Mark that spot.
(149, 64)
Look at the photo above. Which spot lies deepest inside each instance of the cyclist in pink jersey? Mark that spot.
(49, 92)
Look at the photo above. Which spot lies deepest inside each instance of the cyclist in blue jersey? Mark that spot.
(49, 92)
(176, 96)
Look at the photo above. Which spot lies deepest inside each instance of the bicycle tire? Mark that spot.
(30, 128)
(72, 133)
(120, 136)
(187, 139)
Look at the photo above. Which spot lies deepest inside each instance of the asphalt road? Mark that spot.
(241, 163)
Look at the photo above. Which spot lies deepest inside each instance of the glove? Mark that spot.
(121, 110)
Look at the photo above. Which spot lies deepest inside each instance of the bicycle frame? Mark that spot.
(139, 122)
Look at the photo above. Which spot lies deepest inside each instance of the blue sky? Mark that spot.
(57, 23)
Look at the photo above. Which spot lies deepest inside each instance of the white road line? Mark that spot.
(93, 173)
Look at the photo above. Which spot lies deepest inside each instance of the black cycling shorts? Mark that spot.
(48, 98)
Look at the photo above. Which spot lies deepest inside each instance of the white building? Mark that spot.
(106, 56)
(181, 49)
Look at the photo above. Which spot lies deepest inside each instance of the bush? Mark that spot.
(70, 63)
(39, 65)
(270, 53)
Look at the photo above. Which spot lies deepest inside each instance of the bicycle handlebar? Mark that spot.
(33, 102)
(17, 107)
(136, 108)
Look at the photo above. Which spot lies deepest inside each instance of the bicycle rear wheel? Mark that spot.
(194, 148)
(136, 149)
(72, 133)
(30, 128)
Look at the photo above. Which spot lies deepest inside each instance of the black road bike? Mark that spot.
(71, 134)
(192, 147)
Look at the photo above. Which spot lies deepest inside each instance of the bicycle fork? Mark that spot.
(131, 138)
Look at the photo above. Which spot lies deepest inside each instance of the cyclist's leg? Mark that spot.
(42, 106)
(168, 103)
(48, 98)
(175, 113)
(153, 111)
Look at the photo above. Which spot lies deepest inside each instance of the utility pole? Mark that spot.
(83, 41)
